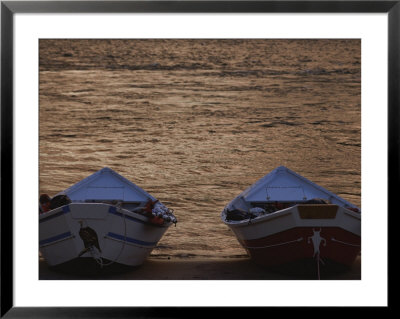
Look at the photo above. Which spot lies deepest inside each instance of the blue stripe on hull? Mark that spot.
(54, 238)
(110, 234)
(112, 210)
(64, 210)
(131, 240)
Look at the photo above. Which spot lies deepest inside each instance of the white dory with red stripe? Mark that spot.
(106, 219)
(286, 220)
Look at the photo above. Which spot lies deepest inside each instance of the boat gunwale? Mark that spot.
(278, 214)
(119, 211)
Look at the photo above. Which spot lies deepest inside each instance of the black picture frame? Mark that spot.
(9, 8)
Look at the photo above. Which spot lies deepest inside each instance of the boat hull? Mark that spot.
(124, 237)
(309, 235)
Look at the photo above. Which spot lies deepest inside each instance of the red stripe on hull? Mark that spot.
(332, 243)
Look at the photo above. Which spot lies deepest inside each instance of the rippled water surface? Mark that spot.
(195, 122)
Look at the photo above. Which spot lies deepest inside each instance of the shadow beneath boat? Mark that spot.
(83, 268)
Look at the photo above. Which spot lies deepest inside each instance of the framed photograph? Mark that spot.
(238, 136)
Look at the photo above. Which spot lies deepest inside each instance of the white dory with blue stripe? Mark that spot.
(107, 220)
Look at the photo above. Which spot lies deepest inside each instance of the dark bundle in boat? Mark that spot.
(59, 200)
(317, 201)
(237, 214)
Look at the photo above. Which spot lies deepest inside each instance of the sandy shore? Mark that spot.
(196, 269)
